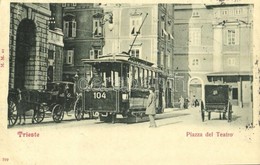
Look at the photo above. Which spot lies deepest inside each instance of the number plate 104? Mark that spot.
(99, 95)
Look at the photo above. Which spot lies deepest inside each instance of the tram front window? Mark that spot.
(111, 75)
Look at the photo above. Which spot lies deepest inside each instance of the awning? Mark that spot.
(230, 74)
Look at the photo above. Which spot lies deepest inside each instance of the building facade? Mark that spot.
(28, 45)
(36, 45)
(83, 36)
(55, 44)
(143, 31)
(214, 45)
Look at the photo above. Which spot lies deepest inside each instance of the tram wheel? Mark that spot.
(40, 114)
(79, 113)
(57, 113)
(12, 113)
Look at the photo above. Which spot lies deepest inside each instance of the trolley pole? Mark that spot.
(137, 33)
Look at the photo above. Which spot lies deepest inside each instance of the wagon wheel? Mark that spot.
(229, 112)
(113, 119)
(57, 113)
(209, 115)
(40, 113)
(91, 115)
(79, 113)
(202, 111)
(12, 113)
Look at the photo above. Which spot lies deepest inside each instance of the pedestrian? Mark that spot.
(197, 103)
(181, 100)
(186, 103)
(20, 107)
(193, 101)
(150, 108)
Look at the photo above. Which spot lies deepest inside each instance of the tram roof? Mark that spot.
(117, 58)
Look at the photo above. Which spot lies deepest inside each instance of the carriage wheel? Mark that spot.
(79, 113)
(12, 113)
(209, 115)
(202, 111)
(57, 113)
(40, 114)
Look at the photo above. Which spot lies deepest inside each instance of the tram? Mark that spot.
(118, 86)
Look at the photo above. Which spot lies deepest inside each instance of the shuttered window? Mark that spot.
(232, 37)
(70, 28)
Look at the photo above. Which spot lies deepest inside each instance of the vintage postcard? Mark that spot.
(120, 82)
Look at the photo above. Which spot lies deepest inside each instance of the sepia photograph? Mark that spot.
(174, 82)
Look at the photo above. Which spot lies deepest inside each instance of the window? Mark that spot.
(224, 12)
(195, 62)
(195, 36)
(135, 23)
(69, 57)
(163, 31)
(70, 28)
(51, 51)
(97, 29)
(231, 61)
(168, 61)
(94, 53)
(69, 4)
(195, 14)
(232, 37)
(135, 52)
(238, 11)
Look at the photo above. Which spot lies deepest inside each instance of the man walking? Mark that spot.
(150, 108)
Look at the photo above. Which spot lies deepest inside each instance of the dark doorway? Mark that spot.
(24, 42)
(234, 93)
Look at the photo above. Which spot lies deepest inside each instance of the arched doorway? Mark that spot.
(195, 88)
(25, 45)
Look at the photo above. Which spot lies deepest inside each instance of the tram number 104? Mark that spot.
(99, 95)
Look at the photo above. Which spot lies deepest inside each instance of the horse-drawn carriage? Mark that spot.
(217, 100)
(57, 98)
(20, 101)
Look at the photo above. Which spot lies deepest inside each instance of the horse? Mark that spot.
(25, 104)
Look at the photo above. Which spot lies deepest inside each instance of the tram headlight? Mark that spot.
(125, 96)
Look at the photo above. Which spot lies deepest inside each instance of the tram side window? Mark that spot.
(133, 76)
(146, 78)
(141, 77)
(108, 79)
(152, 80)
(117, 79)
(136, 82)
(157, 80)
(124, 77)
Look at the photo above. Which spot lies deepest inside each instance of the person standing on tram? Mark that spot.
(96, 80)
(150, 108)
